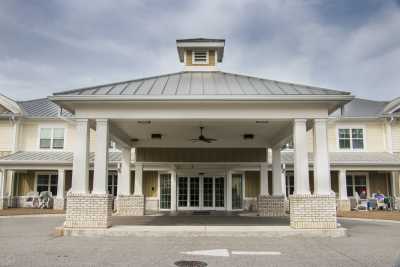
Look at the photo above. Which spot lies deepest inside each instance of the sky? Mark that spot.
(56, 45)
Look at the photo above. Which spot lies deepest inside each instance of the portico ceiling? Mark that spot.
(178, 133)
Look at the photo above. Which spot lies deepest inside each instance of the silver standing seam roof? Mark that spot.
(41, 108)
(201, 83)
(336, 158)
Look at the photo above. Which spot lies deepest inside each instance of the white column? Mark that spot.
(264, 191)
(276, 172)
(100, 178)
(283, 180)
(395, 184)
(229, 190)
(61, 183)
(301, 176)
(80, 168)
(342, 185)
(173, 190)
(3, 183)
(138, 179)
(322, 177)
(124, 178)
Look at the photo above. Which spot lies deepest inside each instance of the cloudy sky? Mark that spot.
(49, 46)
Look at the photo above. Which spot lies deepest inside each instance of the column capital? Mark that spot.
(82, 120)
(102, 120)
(320, 120)
(300, 120)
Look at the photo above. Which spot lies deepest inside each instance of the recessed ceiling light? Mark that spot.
(144, 122)
(248, 136)
(156, 136)
(262, 121)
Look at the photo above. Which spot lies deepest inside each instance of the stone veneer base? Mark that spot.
(59, 203)
(88, 210)
(313, 211)
(130, 205)
(397, 203)
(3, 203)
(343, 205)
(273, 206)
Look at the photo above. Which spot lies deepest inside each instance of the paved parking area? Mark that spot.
(29, 242)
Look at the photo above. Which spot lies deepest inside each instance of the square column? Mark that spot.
(128, 204)
(273, 205)
(343, 202)
(173, 191)
(86, 210)
(100, 178)
(264, 190)
(3, 190)
(59, 201)
(301, 176)
(317, 211)
(229, 190)
(138, 179)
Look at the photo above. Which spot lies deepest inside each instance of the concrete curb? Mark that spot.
(368, 220)
(209, 231)
(32, 216)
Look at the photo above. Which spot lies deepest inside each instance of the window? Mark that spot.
(289, 183)
(200, 57)
(356, 183)
(47, 182)
(51, 138)
(112, 184)
(351, 138)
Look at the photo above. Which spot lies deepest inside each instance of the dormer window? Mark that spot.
(200, 57)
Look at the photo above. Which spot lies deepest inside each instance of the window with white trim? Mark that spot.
(51, 138)
(200, 57)
(351, 138)
(289, 183)
(47, 182)
(356, 183)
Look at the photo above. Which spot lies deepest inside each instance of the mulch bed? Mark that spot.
(28, 211)
(377, 215)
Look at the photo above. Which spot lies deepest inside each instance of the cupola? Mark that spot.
(200, 54)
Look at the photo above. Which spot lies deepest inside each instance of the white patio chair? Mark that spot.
(31, 200)
(362, 204)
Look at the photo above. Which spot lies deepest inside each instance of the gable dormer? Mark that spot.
(200, 54)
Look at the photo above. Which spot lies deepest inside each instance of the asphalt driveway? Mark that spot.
(29, 242)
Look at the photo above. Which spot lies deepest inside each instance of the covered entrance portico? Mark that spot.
(162, 129)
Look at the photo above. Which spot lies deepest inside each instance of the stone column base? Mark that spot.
(271, 206)
(313, 211)
(397, 203)
(3, 203)
(59, 203)
(88, 210)
(130, 205)
(343, 205)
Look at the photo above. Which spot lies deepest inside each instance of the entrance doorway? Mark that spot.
(201, 192)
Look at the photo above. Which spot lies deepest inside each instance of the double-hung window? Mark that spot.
(351, 138)
(200, 57)
(47, 182)
(51, 138)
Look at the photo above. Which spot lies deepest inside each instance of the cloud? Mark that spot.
(57, 45)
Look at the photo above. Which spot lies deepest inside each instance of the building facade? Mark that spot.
(200, 139)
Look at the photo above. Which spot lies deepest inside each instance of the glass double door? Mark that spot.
(201, 192)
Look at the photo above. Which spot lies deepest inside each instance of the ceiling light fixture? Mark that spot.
(156, 136)
(262, 121)
(144, 122)
(248, 136)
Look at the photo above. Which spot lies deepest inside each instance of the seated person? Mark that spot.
(379, 196)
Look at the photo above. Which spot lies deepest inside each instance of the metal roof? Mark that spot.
(50, 156)
(202, 83)
(351, 158)
(42, 108)
(363, 108)
(200, 40)
(336, 158)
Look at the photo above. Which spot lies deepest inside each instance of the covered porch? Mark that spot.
(202, 170)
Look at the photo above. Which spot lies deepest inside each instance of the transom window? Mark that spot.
(51, 138)
(47, 182)
(200, 57)
(351, 138)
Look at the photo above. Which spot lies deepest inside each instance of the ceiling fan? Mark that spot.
(202, 138)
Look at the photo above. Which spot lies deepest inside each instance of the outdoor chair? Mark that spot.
(362, 204)
(45, 200)
(31, 200)
(380, 202)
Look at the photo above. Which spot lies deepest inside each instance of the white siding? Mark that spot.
(396, 137)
